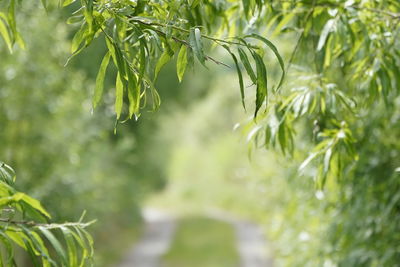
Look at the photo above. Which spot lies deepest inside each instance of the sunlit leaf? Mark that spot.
(98, 91)
(181, 62)
(119, 95)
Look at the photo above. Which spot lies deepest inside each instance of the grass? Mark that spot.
(202, 242)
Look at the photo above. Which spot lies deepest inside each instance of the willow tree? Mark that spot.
(340, 83)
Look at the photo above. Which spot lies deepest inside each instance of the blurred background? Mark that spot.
(190, 159)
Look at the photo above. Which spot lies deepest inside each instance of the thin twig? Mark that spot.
(46, 225)
(188, 45)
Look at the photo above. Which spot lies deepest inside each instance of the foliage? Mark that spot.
(25, 223)
(64, 155)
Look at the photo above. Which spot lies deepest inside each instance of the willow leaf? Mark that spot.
(239, 73)
(181, 62)
(5, 34)
(98, 91)
(262, 92)
(72, 251)
(133, 95)
(56, 244)
(119, 95)
(247, 65)
(197, 45)
(276, 52)
(165, 57)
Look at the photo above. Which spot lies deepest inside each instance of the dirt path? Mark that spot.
(157, 237)
(160, 229)
(251, 245)
(251, 242)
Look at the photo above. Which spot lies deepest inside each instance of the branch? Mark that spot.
(151, 23)
(46, 225)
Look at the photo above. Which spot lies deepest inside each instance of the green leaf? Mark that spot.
(190, 58)
(7, 174)
(72, 251)
(117, 56)
(142, 60)
(304, 164)
(78, 38)
(98, 91)
(5, 34)
(165, 57)
(44, 4)
(286, 19)
(247, 65)
(9, 248)
(282, 137)
(34, 203)
(325, 32)
(181, 62)
(38, 241)
(119, 95)
(11, 19)
(67, 2)
(276, 52)
(82, 232)
(197, 45)
(262, 91)
(239, 73)
(16, 236)
(194, 3)
(133, 95)
(56, 244)
(38, 246)
(327, 159)
(246, 7)
(84, 249)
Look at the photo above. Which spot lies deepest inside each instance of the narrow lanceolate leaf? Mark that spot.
(276, 52)
(133, 95)
(67, 2)
(142, 60)
(5, 34)
(181, 62)
(118, 57)
(38, 246)
(190, 58)
(78, 38)
(262, 91)
(239, 73)
(56, 245)
(165, 57)
(47, 261)
(194, 3)
(119, 95)
(197, 45)
(325, 32)
(98, 91)
(8, 247)
(247, 66)
(44, 4)
(246, 7)
(11, 19)
(72, 251)
(34, 203)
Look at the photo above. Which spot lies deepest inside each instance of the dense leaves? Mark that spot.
(25, 223)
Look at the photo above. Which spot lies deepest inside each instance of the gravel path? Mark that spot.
(160, 229)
